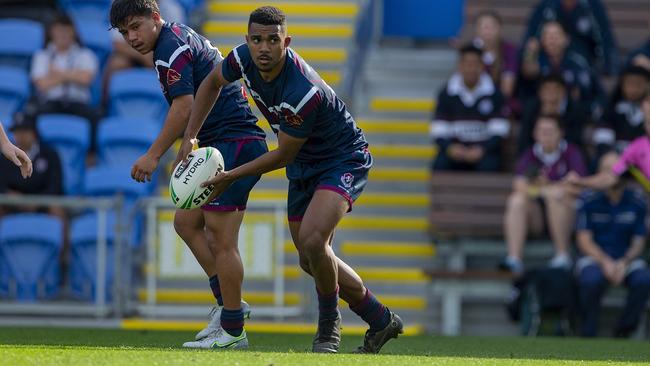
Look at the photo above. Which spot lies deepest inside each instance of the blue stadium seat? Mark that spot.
(103, 181)
(96, 36)
(90, 10)
(14, 91)
(121, 140)
(18, 50)
(70, 136)
(135, 93)
(83, 250)
(30, 245)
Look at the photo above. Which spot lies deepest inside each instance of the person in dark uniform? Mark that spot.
(327, 162)
(182, 59)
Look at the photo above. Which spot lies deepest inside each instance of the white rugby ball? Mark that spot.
(185, 184)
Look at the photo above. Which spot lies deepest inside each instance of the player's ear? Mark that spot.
(287, 41)
(246, 38)
(155, 16)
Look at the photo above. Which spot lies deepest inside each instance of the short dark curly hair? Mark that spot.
(268, 15)
(122, 10)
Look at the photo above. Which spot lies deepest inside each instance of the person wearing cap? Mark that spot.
(15, 155)
(46, 178)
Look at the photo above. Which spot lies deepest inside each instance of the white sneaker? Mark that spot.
(562, 261)
(215, 320)
(220, 339)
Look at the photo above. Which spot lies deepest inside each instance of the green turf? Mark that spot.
(52, 346)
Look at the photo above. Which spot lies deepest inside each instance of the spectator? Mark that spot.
(46, 177)
(634, 159)
(640, 56)
(468, 126)
(555, 57)
(499, 55)
(538, 185)
(623, 118)
(611, 238)
(588, 28)
(63, 72)
(553, 99)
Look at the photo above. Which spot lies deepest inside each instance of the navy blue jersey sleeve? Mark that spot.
(174, 65)
(232, 66)
(301, 123)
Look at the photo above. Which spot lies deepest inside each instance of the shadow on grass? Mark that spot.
(462, 347)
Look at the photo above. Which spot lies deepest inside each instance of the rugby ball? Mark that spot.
(185, 183)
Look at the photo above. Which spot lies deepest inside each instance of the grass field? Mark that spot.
(52, 346)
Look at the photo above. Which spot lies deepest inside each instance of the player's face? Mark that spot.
(267, 44)
(141, 32)
(554, 40)
(547, 134)
(471, 66)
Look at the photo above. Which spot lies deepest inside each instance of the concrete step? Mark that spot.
(216, 29)
(308, 9)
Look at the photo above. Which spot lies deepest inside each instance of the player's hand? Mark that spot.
(620, 271)
(143, 168)
(185, 149)
(18, 157)
(220, 182)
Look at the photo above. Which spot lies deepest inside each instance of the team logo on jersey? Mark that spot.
(294, 120)
(347, 180)
(172, 77)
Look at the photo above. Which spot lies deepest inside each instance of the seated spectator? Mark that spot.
(553, 56)
(634, 159)
(46, 177)
(623, 118)
(63, 72)
(499, 55)
(553, 99)
(538, 187)
(588, 28)
(640, 56)
(611, 237)
(468, 126)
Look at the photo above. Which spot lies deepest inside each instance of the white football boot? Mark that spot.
(215, 320)
(220, 339)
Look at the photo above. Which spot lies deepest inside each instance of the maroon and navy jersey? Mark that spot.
(299, 103)
(183, 58)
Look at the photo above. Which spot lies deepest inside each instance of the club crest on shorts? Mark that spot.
(347, 180)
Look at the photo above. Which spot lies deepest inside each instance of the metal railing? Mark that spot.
(100, 307)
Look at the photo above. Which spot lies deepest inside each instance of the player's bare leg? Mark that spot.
(224, 228)
(323, 214)
(190, 226)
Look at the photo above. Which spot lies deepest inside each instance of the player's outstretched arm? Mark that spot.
(15, 155)
(204, 100)
(174, 127)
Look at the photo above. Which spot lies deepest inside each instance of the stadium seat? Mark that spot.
(83, 250)
(135, 93)
(70, 136)
(14, 91)
(122, 140)
(90, 10)
(108, 181)
(18, 50)
(30, 245)
(96, 36)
